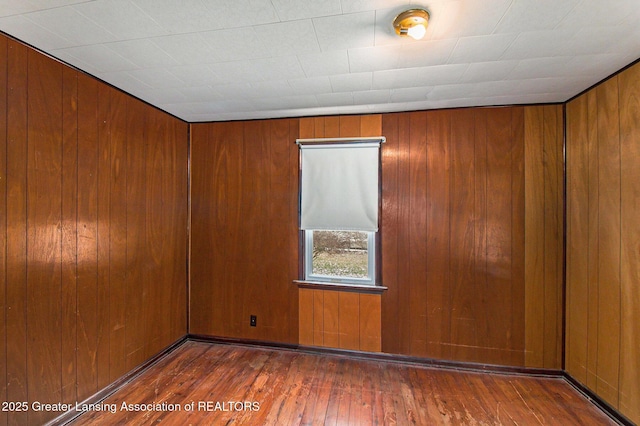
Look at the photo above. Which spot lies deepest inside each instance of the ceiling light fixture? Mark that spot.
(412, 23)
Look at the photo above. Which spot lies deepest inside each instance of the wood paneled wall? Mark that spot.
(543, 251)
(458, 221)
(244, 244)
(340, 319)
(93, 195)
(471, 231)
(603, 234)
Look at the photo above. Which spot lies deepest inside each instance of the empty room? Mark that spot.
(319, 212)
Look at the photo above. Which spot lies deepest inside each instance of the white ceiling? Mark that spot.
(212, 60)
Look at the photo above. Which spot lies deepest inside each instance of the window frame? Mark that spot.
(371, 262)
(370, 285)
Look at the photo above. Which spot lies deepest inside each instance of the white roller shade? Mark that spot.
(339, 189)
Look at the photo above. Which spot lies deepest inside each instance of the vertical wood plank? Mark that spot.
(17, 230)
(177, 257)
(332, 127)
(87, 248)
(307, 128)
(138, 275)
(552, 212)
(629, 386)
(417, 235)
(517, 326)
(3, 224)
(293, 232)
(371, 125)
(481, 205)
(560, 260)
(403, 255)
(499, 237)
(577, 235)
(350, 126)
(438, 228)
(331, 319)
(207, 173)
(152, 291)
(466, 337)
(104, 223)
(318, 317)
(117, 234)
(349, 326)
(592, 243)
(279, 221)
(389, 228)
(236, 176)
(305, 317)
(255, 210)
(318, 127)
(534, 236)
(370, 322)
(69, 233)
(608, 242)
(44, 173)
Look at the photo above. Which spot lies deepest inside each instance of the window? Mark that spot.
(340, 256)
(339, 205)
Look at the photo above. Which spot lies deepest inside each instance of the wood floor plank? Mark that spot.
(263, 386)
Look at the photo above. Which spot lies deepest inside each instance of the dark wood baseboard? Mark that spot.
(381, 356)
(597, 401)
(71, 415)
(242, 342)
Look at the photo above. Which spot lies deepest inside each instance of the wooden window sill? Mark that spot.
(355, 288)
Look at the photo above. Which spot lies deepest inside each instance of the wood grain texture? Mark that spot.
(481, 226)
(629, 386)
(3, 229)
(306, 317)
(518, 214)
(592, 240)
(103, 243)
(67, 232)
(501, 279)
(331, 319)
(318, 318)
(44, 171)
(602, 235)
(577, 235)
(439, 309)
(608, 242)
(554, 231)
(137, 276)
(292, 387)
(339, 319)
(17, 227)
(534, 234)
(389, 226)
(416, 216)
(465, 320)
(87, 250)
(370, 323)
(349, 320)
(543, 234)
(118, 234)
(469, 302)
(249, 190)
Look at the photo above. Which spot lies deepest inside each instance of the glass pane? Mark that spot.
(340, 254)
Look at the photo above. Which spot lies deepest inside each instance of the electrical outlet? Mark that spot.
(252, 320)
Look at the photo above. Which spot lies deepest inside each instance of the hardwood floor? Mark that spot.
(229, 384)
